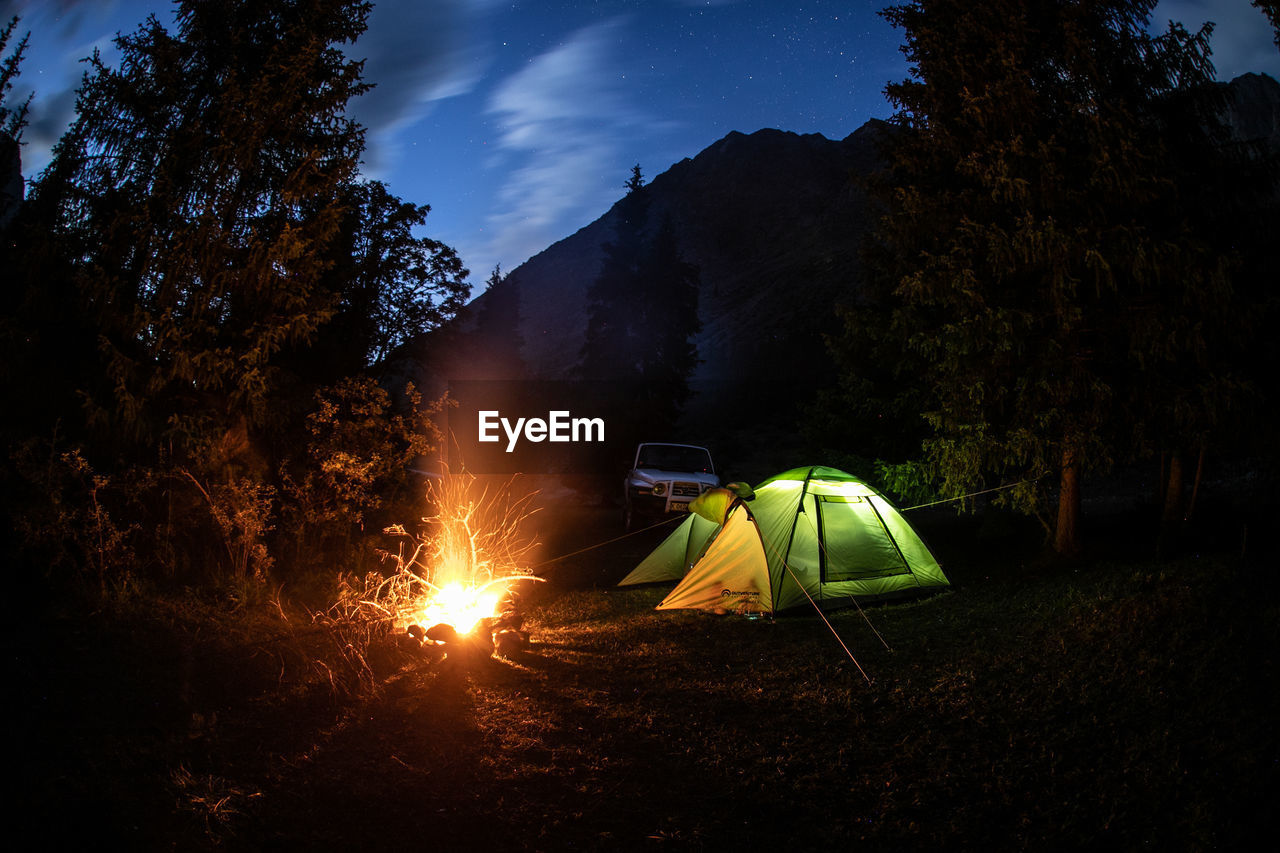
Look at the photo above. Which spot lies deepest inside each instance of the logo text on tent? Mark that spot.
(559, 426)
(729, 593)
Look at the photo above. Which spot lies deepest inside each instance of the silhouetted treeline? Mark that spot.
(642, 316)
(1071, 264)
(199, 295)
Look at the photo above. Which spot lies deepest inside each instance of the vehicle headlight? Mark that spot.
(659, 489)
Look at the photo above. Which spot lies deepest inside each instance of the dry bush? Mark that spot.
(212, 801)
(75, 519)
(475, 537)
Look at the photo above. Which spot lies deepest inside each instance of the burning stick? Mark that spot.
(462, 571)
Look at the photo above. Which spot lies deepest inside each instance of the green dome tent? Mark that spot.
(810, 533)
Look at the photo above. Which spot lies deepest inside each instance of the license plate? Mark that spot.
(678, 506)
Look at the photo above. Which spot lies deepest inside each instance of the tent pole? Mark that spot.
(786, 553)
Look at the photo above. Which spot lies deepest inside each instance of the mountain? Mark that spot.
(1252, 109)
(774, 221)
(771, 219)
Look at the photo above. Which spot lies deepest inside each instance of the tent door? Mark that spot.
(854, 543)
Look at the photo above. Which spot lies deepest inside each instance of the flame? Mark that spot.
(463, 568)
(461, 606)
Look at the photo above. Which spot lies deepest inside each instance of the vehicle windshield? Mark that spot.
(674, 457)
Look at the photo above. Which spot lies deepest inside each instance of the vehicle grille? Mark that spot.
(685, 490)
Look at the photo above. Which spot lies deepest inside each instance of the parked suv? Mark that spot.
(665, 478)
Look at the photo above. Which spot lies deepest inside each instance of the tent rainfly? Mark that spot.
(809, 533)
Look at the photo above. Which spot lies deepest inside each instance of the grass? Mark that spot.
(1122, 704)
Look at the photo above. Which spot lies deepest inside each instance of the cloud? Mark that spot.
(62, 33)
(416, 52)
(1242, 36)
(48, 119)
(564, 115)
(64, 16)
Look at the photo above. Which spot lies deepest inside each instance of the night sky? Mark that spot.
(518, 122)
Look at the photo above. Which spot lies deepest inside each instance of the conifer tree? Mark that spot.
(1035, 247)
(203, 186)
(670, 320)
(399, 284)
(498, 324)
(642, 316)
(12, 118)
(612, 345)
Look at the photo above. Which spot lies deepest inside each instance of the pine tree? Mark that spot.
(498, 325)
(203, 180)
(12, 118)
(611, 349)
(642, 316)
(43, 342)
(669, 322)
(1040, 258)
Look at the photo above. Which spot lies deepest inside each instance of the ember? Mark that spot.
(460, 575)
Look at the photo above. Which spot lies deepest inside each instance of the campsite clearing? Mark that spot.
(1116, 704)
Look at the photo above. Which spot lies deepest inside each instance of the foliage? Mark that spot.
(76, 520)
(359, 448)
(135, 530)
(613, 342)
(498, 326)
(874, 401)
(911, 483)
(242, 510)
(203, 288)
(12, 119)
(360, 618)
(399, 285)
(1035, 246)
(204, 177)
(671, 321)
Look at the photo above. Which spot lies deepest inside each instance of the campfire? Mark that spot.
(455, 588)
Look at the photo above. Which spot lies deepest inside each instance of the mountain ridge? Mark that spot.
(773, 220)
(754, 212)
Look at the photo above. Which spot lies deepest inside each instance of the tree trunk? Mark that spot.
(1195, 486)
(1173, 492)
(1171, 514)
(1065, 537)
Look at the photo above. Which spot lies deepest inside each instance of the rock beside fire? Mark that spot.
(442, 633)
(509, 642)
(501, 634)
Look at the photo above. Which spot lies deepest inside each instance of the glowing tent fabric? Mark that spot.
(812, 532)
(671, 559)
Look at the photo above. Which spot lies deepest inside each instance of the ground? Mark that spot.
(1115, 701)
